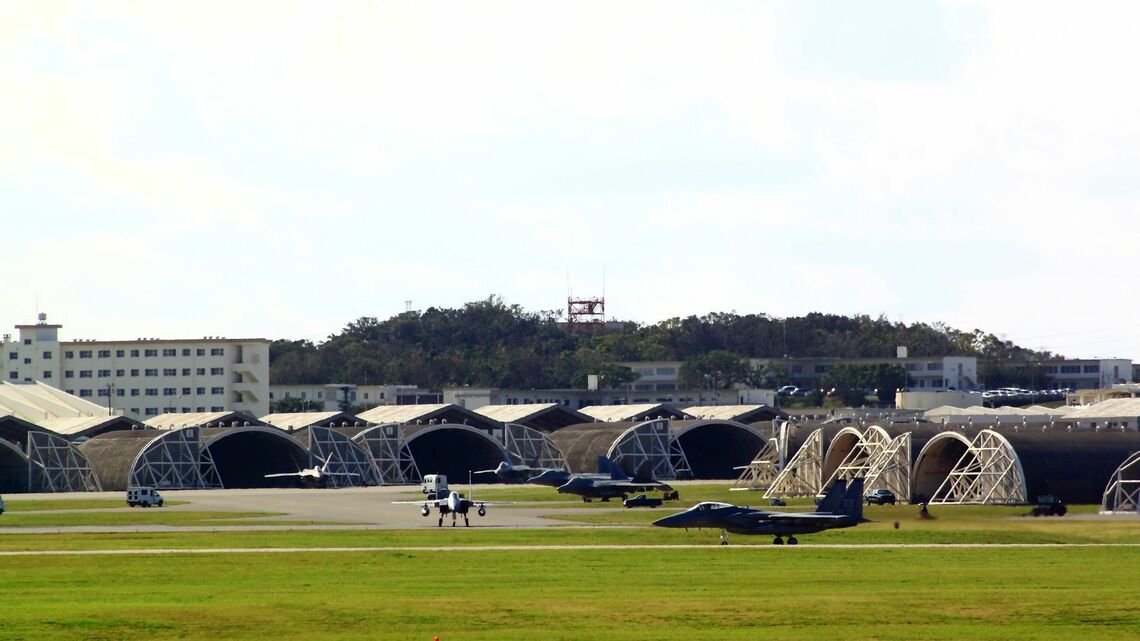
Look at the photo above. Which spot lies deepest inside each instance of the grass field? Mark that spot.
(748, 590)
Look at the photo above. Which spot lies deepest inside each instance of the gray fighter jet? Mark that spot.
(841, 507)
(616, 485)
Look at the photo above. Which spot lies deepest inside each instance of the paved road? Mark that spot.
(345, 508)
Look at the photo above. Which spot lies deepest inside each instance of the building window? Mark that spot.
(69, 354)
(104, 373)
(303, 394)
(170, 351)
(102, 392)
(134, 372)
(134, 410)
(217, 351)
(84, 353)
(134, 354)
(201, 351)
(170, 371)
(152, 391)
(186, 391)
(1092, 369)
(27, 341)
(150, 353)
(200, 409)
(47, 374)
(934, 367)
(217, 371)
(85, 393)
(152, 411)
(120, 372)
(13, 356)
(27, 361)
(104, 353)
(47, 355)
(68, 374)
(152, 372)
(135, 392)
(120, 353)
(666, 371)
(217, 390)
(201, 371)
(169, 410)
(169, 391)
(120, 392)
(185, 371)
(200, 390)
(185, 351)
(217, 408)
(84, 373)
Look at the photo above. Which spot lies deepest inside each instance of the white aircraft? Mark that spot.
(454, 504)
(316, 475)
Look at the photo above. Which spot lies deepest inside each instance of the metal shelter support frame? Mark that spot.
(350, 462)
(869, 444)
(762, 471)
(388, 447)
(56, 465)
(988, 472)
(528, 446)
(648, 449)
(1123, 492)
(175, 460)
(890, 469)
(803, 475)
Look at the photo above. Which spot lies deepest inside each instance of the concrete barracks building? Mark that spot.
(144, 377)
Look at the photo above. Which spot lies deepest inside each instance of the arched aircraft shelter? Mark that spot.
(453, 449)
(244, 455)
(714, 449)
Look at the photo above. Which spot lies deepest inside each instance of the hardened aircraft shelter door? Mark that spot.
(55, 465)
(1123, 492)
(987, 470)
(390, 454)
(762, 471)
(175, 460)
(528, 446)
(803, 475)
(646, 450)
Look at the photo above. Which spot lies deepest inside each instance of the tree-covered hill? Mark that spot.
(489, 343)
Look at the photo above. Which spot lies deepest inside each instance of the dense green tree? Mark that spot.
(293, 404)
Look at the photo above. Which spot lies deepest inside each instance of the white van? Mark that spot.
(435, 485)
(143, 496)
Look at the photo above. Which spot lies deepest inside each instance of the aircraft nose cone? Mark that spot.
(682, 519)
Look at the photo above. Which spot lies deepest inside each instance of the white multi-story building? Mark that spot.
(144, 377)
(327, 397)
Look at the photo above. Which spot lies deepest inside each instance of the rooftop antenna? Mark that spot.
(407, 306)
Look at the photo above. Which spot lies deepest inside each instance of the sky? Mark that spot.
(278, 170)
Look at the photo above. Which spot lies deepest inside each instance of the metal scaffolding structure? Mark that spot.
(761, 473)
(648, 450)
(350, 463)
(55, 465)
(1123, 491)
(175, 460)
(890, 468)
(803, 475)
(869, 444)
(388, 447)
(988, 472)
(528, 446)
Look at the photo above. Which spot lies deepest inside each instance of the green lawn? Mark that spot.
(713, 593)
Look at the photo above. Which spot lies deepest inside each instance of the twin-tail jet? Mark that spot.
(841, 507)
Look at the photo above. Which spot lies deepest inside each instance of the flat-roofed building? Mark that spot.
(144, 377)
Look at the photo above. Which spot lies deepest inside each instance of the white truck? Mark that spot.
(143, 497)
(435, 485)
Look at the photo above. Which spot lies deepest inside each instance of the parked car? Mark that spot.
(1048, 505)
(788, 390)
(880, 497)
(642, 501)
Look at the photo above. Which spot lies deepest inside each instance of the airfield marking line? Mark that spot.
(545, 548)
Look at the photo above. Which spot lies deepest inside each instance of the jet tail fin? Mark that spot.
(606, 466)
(852, 503)
(831, 500)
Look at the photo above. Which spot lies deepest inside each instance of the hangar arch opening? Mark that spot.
(716, 449)
(841, 446)
(455, 450)
(935, 462)
(243, 456)
(13, 468)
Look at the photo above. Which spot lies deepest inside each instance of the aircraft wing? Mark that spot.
(431, 502)
(271, 476)
(791, 518)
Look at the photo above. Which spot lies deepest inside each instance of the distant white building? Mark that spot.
(144, 377)
(327, 396)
